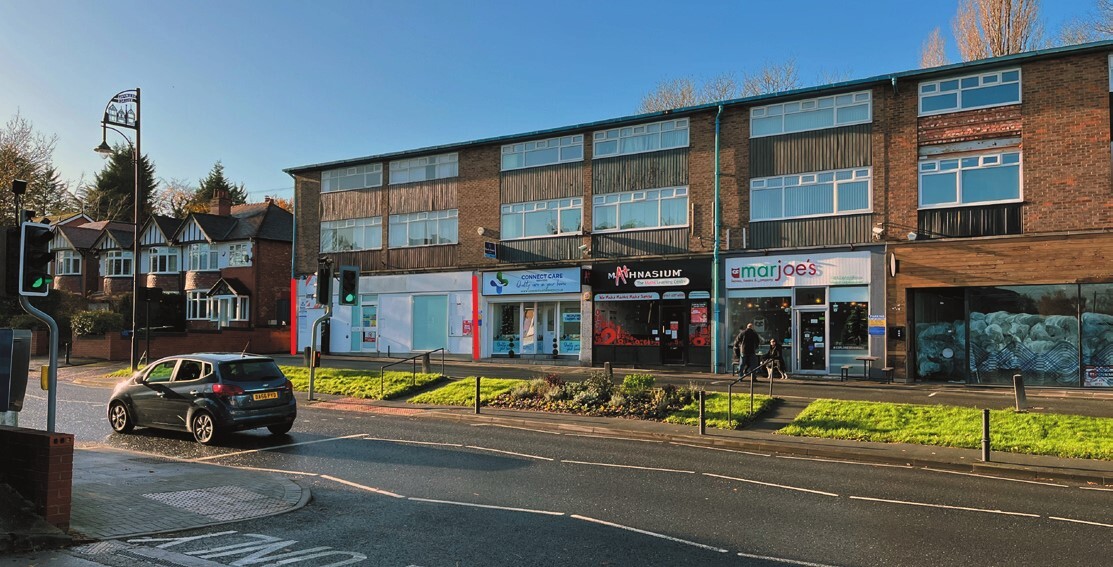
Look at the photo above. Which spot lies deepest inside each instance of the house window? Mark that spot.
(239, 254)
(844, 191)
(162, 261)
(655, 208)
(197, 305)
(229, 308)
(202, 258)
(424, 168)
(811, 114)
(542, 218)
(117, 263)
(968, 180)
(982, 90)
(423, 229)
(642, 138)
(348, 178)
(543, 152)
(67, 263)
(352, 234)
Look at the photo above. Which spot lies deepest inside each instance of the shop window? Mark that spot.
(1097, 335)
(771, 316)
(626, 323)
(849, 322)
(1032, 330)
(508, 336)
(939, 324)
(570, 328)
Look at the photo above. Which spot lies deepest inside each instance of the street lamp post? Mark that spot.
(123, 111)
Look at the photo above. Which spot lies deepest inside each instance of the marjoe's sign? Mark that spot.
(852, 268)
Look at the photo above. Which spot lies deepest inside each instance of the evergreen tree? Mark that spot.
(209, 185)
(112, 195)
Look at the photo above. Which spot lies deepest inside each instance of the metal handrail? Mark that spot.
(413, 373)
(767, 364)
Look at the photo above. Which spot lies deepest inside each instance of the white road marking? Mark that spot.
(362, 487)
(997, 477)
(210, 457)
(1096, 488)
(487, 506)
(413, 442)
(932, 394)
(926, 505)
(514, 427)
(721, 449)
(648, 533)
(1081, 522)
(612, 437)
(783, 560)
(627, 467)
(283, 471)
(785, 486)
(842, 462)
(508, 453)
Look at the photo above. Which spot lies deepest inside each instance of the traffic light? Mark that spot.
(9, 249)
(349, 285)
(324, 284)
(34, 259)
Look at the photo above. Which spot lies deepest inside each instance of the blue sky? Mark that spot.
(266, 85)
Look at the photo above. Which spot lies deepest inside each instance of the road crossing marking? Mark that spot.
(945, 506)
(509, 453)
(362, 487)
(627, 467)
(997, 477)
(487, 506)
(222, 455)
(721, 449)
(783, 560)
(785, 486)
(1081, 522)
(648, 533)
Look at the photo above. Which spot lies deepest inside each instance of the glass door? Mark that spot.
(507, 339)
(811, 341)
(547, 335)
(674, 330)
(365, 327)
(529, 329)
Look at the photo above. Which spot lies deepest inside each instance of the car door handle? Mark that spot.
(160, 394)
(193, 392)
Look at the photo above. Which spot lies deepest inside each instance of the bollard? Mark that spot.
(985, 435)
(702, 416)
(1018, 392)
(751, 393)
(608, 372)
(425, 363)
(477, 395)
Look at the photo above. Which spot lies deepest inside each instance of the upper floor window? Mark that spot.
(117, 263)
(642, 138)
(543, 152)
(654, 208)
(542, 218)
(424, 168)
(823, 193)
(811, 114)
(239, 254)
(423, 229)
(352, 234)
(359, 177)
(162, 260)
(968, 180)
(67, 263)
(202, 257)
(972, 91)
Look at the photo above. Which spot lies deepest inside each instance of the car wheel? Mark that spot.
(120, 418)
(203, 427)
(280, 428)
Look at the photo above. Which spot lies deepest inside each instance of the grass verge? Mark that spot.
(715, 411)
(124, 372)
(358, 383)
(462, 392)
(1059, 435)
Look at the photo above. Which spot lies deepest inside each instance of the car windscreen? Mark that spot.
(249, 371)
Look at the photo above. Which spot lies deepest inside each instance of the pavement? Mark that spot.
(119, 494)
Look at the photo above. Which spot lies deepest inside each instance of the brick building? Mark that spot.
(949, 222)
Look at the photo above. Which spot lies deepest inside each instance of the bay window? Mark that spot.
(67, 263)
(117, 263)
(162, 260)
(203, 257)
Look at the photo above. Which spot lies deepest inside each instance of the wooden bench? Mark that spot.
(844, 373)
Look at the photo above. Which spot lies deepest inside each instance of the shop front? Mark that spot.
(821, 307)
(652, 313)
(532, 313)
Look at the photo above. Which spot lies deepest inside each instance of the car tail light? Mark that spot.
(227, 390)
(289, 386)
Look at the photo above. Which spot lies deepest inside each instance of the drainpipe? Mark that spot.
(715, 257)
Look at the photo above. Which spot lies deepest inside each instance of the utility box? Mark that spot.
(15, 358)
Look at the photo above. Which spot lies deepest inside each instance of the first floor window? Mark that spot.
(162, 261)
(542, 218)
(203, 257)
(423, 229)
(117, 263)
(844, 191)
(352, 234)
(67, 263)
(197, 305)
(969, 180)
(239, 254)
(654, 208)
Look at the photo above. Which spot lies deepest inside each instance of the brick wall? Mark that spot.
(201, 280)
(39, 466)
(982, 123)
(478, 201)
(165, 282)
(115, 347)
(272, 280)
(307, 194)
(113, 286)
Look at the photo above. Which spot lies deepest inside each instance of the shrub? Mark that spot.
(637, 382)
(26, 321)
(588, 398)
(553, 380)
(87, 323)
(600, 383)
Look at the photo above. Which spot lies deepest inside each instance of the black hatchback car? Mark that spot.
(205, 394)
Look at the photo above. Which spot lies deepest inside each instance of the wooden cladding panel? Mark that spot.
(540, 249)
(435, 195)
(541, 183)
(422, 257)
(988, 220)
(359, 204)
(816, 150)
(642, 243)
(366, 260)
(822, 231)
(640, 171)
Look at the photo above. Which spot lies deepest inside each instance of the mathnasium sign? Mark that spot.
(850, 268)
(522, 282)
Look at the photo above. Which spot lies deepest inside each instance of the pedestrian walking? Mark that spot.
(745, 345)
(774, 359)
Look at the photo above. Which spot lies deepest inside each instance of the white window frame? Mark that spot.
(834, 102)
(198, 305)
(365, 176)
(359, 226)
(985, 161)
(560, 144)
(397, 222)
(119, 259)
(443, 166)
(624, 132)
(164, 256)
(67, 263)
(934, 88)
(853, 175)
(558, 205)
(239, 254)
(617, 199)
(203, 251)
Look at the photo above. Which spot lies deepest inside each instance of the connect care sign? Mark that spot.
(559, 280)
(852, 268)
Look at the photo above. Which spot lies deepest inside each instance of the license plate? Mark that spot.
(265, 396)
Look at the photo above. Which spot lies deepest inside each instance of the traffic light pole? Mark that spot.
(52, 370)
(313, 346)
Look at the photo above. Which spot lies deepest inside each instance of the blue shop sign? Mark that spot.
(523, 282)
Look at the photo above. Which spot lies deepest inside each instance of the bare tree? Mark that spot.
(674, 93)
(176, 199)
(27, 155)
(1092, 27)
(991, 28)
(771, 78)
(678, 93)
(933, 53)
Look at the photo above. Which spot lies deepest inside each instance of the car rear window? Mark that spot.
(250, 370)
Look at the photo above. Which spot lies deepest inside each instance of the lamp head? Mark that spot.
(103, 149)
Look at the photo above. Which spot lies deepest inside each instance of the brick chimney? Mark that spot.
(221, 203)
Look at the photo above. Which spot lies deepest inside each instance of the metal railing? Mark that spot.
(768, 366)
(413, 374)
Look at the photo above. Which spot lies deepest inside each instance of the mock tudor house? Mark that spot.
(950, 223)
